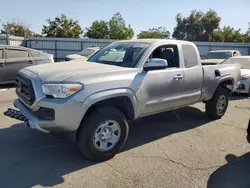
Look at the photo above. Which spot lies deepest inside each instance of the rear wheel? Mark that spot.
(103, 134)
(217, 106)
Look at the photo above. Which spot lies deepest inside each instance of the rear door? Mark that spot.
(193, 75)
(2, 64)
(16, 59)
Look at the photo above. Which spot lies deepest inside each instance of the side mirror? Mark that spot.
(156, 64)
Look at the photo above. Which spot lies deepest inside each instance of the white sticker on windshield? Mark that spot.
(139, 45)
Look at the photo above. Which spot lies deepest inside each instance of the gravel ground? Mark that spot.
(175, 149)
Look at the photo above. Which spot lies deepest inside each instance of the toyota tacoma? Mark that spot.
(94, 99)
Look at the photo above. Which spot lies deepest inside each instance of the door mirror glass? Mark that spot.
(156, 64)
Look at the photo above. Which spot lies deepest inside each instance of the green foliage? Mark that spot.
(118, 28)
(18, 29)
(62, 27)
(115, 28)
(198, 26)
(159, 33)
(98, 30)
(227, 34)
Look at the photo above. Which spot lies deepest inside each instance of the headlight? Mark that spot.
(245, 77)
(61, 90)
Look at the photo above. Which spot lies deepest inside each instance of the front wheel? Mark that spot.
(248, 94)
(103, 134)
(217, 106)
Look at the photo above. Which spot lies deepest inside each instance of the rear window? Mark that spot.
(17, 54)
(218, 55)
(190, 56)
(34, 53)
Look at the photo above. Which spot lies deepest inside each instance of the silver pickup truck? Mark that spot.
(125, 80)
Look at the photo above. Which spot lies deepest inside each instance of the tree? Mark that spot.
(227, 34)
(98, 30)
(198, 26)
(19, 29)
(118, 28)
(159, 33)
(62, 27)
(247, 35)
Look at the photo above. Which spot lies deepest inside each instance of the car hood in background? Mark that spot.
(212, 61)
(76, 56)
(245, 72)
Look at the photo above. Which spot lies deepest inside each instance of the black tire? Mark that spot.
(85, 140)
(248, 94)
(248, 128)
(211, 105)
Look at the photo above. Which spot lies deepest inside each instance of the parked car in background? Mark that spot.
(13, 58)
(218, 56)
(85, 54)
(93, 101)
(244, 61)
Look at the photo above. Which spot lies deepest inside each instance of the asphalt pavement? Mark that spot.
(176, 149)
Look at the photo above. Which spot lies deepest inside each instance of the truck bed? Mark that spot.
(215, 74)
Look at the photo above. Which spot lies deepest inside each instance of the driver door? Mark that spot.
(162, 89)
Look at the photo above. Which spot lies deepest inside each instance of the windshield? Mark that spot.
(245, 63)
(218, 55)
(120, 54)
(86, 52)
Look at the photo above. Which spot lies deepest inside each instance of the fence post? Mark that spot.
(82, 45)
(7, 39)
(56, 49)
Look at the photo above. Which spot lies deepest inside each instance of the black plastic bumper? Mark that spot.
(15, 114)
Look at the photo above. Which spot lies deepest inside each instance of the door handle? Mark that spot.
(179, 76)
(1, 64)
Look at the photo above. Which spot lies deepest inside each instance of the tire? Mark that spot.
(248, 94)
(248, 128)
(101, 122)
(213, 108)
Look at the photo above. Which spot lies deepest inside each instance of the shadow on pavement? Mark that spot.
(236, 173)
(7, 86)
(237, 96)
(29, 158)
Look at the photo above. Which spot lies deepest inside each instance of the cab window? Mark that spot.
(167, 52)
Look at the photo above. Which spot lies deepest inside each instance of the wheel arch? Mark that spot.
(122, 99)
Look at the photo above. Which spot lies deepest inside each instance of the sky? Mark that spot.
(140, 14)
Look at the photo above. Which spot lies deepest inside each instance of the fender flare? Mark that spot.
(109, 94)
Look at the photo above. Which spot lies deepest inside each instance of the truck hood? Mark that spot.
(75, 70)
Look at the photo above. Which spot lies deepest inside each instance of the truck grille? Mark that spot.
(24, 89)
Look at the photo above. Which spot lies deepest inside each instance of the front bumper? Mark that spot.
(68, 115)
(24, 115)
